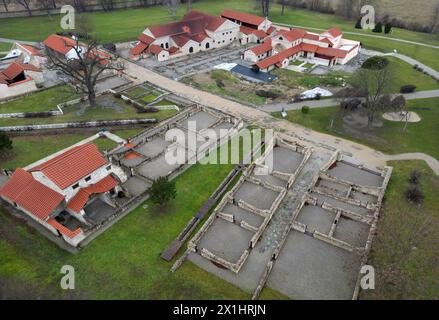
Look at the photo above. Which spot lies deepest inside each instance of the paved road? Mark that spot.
(259, 117)
(324, 103)
(31, 43)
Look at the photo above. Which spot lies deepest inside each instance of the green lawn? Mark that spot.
(124, 262)
(403, 73)
(294, 79)
(71, 113)
(419, 137)
(40, 101)
(405, 261)
(5, 47)
(132, 22)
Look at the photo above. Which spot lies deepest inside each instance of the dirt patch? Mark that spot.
(402, 116)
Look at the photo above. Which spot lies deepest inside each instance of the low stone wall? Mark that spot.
(81, 124)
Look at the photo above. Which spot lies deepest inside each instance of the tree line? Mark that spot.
(350, 9)
(80, 5)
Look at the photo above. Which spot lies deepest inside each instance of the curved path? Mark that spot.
(259, 117)
(432, 162)
(324, 103)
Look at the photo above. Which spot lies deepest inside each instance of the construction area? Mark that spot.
(304, 229)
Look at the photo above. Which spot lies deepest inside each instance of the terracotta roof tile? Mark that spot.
(262, 48)
(293, 34)
(59, 44)
(243, 17)
(141, 47)
(81, 198)
(332, 52)
(146, 39)
(64, 230)
(335, 32)
(259, 34)
(12, 71)
(73, 165)
(155, 49)
(30, 194)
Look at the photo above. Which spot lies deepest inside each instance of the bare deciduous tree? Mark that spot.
(107, 5)
(265, 4)
(86, 68)
(6, 4)
(283, 4)
(373, 86)
(435, 20)
(172, 6)
(26, 5)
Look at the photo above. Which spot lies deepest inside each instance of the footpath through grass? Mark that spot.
(391, 138)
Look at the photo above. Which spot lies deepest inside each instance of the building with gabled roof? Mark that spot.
(327, 48)
(19, 78)
(57, 190)
(196, 31)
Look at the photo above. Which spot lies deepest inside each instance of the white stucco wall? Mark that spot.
(16, 90)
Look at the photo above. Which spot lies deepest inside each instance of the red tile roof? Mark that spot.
(12, 71)
(293, 34)
(271, 30)
(332, 52)
(15, 69)
(32, 50)
(260, 34)
(335, 32)
(199, 37)
(211, 23)
(243, 17)
(327, 41)
(59, 44)
(30, 194)
(71, 166)
(262, 48)
(64, 230)
(193, 23)
(81, 198)
(312, 36)
(146, 39)
(180, 40)
(155, 49)
(309, 47)
(278, 58)
(141, 47)
(246, 30)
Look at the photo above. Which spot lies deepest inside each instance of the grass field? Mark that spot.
(124, 262)
(419, 137)
(4, 47)
(130, 23)
(405, 261)
(47, 100)
(40, 101)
